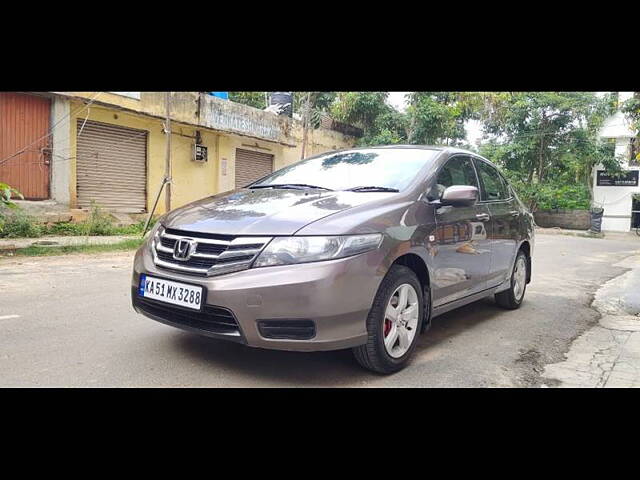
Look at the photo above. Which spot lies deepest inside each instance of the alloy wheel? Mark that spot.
(519, 278)
(401, 320)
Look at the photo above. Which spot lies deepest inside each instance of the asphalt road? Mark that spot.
(67, 321)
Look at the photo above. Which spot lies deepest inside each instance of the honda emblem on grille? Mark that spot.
(184, 248)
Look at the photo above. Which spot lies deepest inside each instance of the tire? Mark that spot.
(405, 329)
(512, 298)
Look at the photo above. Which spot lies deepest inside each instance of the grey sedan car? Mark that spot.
(357, 249)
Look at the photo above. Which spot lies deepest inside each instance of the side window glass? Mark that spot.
(457, 171)
(510, 192)
(493, 188)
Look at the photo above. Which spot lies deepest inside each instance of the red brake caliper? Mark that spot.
(387, 326)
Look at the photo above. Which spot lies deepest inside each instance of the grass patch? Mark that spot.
(71, 229)
(18, 224)
(42, 251)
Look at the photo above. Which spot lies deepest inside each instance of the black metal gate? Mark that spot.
(635, 212)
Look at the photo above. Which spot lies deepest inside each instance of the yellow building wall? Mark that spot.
(191, 180)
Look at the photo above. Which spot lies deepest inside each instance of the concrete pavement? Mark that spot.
(608, 355)
(67, 321)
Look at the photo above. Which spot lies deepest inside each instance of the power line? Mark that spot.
(4, 160)
(534, 134)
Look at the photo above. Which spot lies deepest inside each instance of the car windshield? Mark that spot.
(358, 170)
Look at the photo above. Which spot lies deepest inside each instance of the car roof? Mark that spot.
(448, 149)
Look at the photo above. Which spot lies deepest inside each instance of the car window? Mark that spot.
(510, 191)
(457, 171)
(389, 168)
(493, 187)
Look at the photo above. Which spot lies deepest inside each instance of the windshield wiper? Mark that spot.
(293, 186)
(372, 189)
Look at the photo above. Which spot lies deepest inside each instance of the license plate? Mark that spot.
(167, 291)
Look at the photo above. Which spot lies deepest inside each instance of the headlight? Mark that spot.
(289, 250)
(151, 234)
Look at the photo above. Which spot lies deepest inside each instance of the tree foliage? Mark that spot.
(546, 142)
(438, 118)
(632, 109)
(322, 101)
(7, 192)
(432, 118)
(381, 123)
(544, 139)
(253, 99)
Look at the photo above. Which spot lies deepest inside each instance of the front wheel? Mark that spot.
(393, 322)
(512, 298)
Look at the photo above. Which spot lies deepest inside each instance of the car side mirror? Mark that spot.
(460, 196)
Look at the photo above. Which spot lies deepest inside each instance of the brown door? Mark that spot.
(250, 166)
(25, 143)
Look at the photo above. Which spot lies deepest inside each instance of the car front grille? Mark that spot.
(212, 254)
(211, 319)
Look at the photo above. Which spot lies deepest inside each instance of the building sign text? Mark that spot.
(628, 179)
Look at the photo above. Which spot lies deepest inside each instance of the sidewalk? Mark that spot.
(8, 244)
(585, 233)
(607, 355)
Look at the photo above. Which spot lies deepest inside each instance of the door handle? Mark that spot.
(484, 217)
(514, 213)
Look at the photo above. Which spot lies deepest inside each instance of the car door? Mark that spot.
(461, 259)
(505, 212)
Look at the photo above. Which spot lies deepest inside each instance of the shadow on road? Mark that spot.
(272, 366)
(337, 368)
(458, 321)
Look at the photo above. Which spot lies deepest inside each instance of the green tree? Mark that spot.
(547, 140)
(253, 99)
(322, 101)
(437, 118)
(7, 192)
(381, 123)
(632, 109)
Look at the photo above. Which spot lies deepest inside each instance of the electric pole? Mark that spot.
(167, 165)
(166, 181)
(306, 114)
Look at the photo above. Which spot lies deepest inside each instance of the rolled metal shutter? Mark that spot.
(250, 166)
(111, 167)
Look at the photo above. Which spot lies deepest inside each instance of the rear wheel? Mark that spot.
(393, 322)
(512, 298)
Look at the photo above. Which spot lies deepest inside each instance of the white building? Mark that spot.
(619, 196)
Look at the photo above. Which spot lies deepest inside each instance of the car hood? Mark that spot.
(264, 211)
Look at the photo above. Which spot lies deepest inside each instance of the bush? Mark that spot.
(99, 223)
(19, 224)
(134, 229)
(567, 197)
(551, 195)
(66, 229)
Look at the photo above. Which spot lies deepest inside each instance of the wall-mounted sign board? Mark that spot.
(232, 117)
(628, 179)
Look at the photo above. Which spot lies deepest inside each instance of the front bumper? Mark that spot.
(335, 295)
